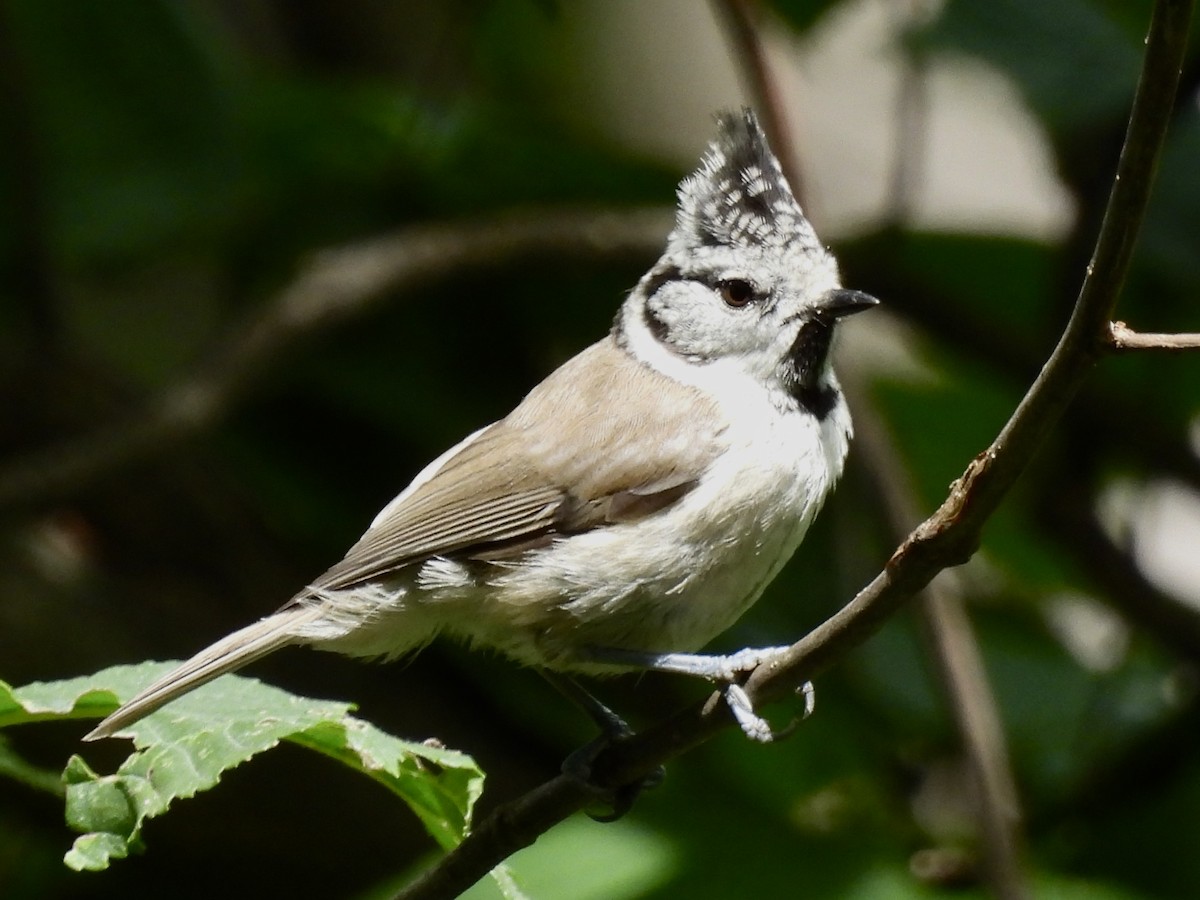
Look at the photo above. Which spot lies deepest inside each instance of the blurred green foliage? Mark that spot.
(166, 168)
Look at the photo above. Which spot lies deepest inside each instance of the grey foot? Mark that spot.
(730, 669)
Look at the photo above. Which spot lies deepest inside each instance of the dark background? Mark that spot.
(166, 168)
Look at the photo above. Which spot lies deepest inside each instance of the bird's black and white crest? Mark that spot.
(739, 197)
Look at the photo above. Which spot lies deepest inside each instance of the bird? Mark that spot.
(638, 500)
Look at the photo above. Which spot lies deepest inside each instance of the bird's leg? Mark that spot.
(729, 669)
(612, 729)
(609, 723)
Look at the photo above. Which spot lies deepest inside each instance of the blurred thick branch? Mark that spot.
(336, 285)
(948, 537)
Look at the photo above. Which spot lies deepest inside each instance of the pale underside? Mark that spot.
(660, 542)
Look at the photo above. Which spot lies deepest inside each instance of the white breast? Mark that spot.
(673, 581)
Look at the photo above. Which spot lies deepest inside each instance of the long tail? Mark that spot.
(226, 655)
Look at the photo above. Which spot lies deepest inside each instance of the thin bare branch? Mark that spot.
(1121, 337)
(950, 536)
(741, 19)
(988, 339)
(335, 286)
(947, 538)
(911, 124)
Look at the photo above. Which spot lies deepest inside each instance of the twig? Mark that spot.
(741, 19)
(911, 125)
(989, 340)
(947, 538)
(1121, 337)
(336, 285)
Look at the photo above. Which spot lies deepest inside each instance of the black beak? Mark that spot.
(844, 302)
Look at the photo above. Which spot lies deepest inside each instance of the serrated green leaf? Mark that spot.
(53, 700)
(102, 805)
(185, 747)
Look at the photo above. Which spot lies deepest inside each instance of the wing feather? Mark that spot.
(602, 440)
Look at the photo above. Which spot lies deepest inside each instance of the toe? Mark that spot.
(619, 800)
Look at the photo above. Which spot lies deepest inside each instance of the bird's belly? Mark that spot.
(670, 582)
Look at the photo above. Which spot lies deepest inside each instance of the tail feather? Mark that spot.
(226, 655)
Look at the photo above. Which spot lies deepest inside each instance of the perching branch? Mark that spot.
(949, 537)
(955, 650)
(951, 534)
(335, 286)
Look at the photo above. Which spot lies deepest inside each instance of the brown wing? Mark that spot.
(604, 439)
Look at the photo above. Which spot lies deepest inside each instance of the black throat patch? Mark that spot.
(805, 365)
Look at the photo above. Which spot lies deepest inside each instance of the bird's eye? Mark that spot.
(736, 292)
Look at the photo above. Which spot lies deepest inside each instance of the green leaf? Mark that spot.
(185, 747)
(92, 852)
(42, 701)
(579, 861)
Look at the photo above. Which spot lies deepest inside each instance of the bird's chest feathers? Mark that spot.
(673, 580)
(755, 504)
(676, 580)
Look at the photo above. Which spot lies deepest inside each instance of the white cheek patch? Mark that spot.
(696, 324)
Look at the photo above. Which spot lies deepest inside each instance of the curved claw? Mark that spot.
(755, 726)
(810, 698)
(621, 800)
